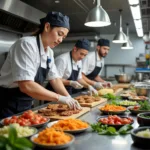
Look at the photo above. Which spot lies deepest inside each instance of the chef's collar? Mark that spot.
(42, 51)
(56, 19)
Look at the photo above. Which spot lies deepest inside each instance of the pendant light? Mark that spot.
(97, 17)
(120, 37)
(128, 44)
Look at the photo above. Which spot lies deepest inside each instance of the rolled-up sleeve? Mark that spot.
(23, 61)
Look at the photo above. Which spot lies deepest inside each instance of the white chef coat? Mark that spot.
(23, 61)
(64, 67)
(88, 63)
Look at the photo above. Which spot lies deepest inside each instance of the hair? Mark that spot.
(40, 29)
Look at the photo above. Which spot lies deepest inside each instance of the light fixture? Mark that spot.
(140, 32)
(97, 17)
(128, 44)
(120, 37)
(135, 10)
(134, 2)
(138, 23)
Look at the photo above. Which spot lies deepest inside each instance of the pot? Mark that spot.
(123, 78)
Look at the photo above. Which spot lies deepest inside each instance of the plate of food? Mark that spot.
(112, 109)
(47, 139)
(69, 125)
(137, 109)
(114, 120)
(28, 118)
(127, 94)
(127, 103)
(138, 98)
(22, 131)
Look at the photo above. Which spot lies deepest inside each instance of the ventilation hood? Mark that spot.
(18, 16)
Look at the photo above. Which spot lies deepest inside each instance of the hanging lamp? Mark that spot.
(128, 44)
(97, 17)
(120, 37)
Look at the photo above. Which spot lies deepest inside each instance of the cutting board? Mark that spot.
(118, 91)
(122, 85)
(57, 117)
(103, 100)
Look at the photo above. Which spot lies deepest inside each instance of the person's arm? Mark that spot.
(36, 91)
(58, 86)
(91, 82)
(83, 82)
(99, 79)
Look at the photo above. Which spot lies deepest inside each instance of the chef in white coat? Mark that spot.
(29, 63)
(69, 66)
(93, 64)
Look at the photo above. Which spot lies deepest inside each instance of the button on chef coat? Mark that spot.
(64, 67)
(23, 62)
(88, 63)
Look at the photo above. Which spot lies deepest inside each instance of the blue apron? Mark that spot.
(13, 100)
(73, 76)
(96, 70)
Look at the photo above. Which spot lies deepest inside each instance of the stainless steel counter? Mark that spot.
(92, 141)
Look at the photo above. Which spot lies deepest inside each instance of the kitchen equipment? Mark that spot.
(139, 76)
(142, 89)
(123, 78)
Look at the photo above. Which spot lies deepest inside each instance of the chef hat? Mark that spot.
(83, 43)
(56, 19)
(103, 42)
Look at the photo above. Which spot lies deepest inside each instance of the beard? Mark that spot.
(101, 54)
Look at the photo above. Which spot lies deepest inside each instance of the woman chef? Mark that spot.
(29, 63)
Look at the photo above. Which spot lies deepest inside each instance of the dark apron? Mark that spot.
(13, 100)
(73, 76)
(96, 70)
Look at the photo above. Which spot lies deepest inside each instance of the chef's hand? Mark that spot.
(107, 84)
(98, 85)
(72, 103)
(76, 84)
(92, 90)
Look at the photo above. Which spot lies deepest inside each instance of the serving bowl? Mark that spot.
(123, 78)
(139, 140)
(143, 119)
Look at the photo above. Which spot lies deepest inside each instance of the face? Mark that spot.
(54, 36)
(79, 54)
(102, 50)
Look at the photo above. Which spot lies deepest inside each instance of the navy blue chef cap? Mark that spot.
(103, 42)
(56, 19)
(83, 43)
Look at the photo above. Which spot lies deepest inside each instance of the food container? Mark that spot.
(123, 78)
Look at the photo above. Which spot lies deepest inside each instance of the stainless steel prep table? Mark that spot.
(92, 141)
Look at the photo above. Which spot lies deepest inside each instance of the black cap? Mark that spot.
(83, 43)
(103, 42)
(56, 19)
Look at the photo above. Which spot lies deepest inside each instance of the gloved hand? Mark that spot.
(98, 85)
(73, 104)
(76, 84)
(109, 84)
(92, 90)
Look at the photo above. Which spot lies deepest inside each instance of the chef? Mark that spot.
(93, 64)
(69, 66)
(29, 63)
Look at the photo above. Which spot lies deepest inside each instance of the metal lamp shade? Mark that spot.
(97, 17)
(120, 38)
(127, 45)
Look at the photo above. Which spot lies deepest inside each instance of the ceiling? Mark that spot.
(77, 11)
